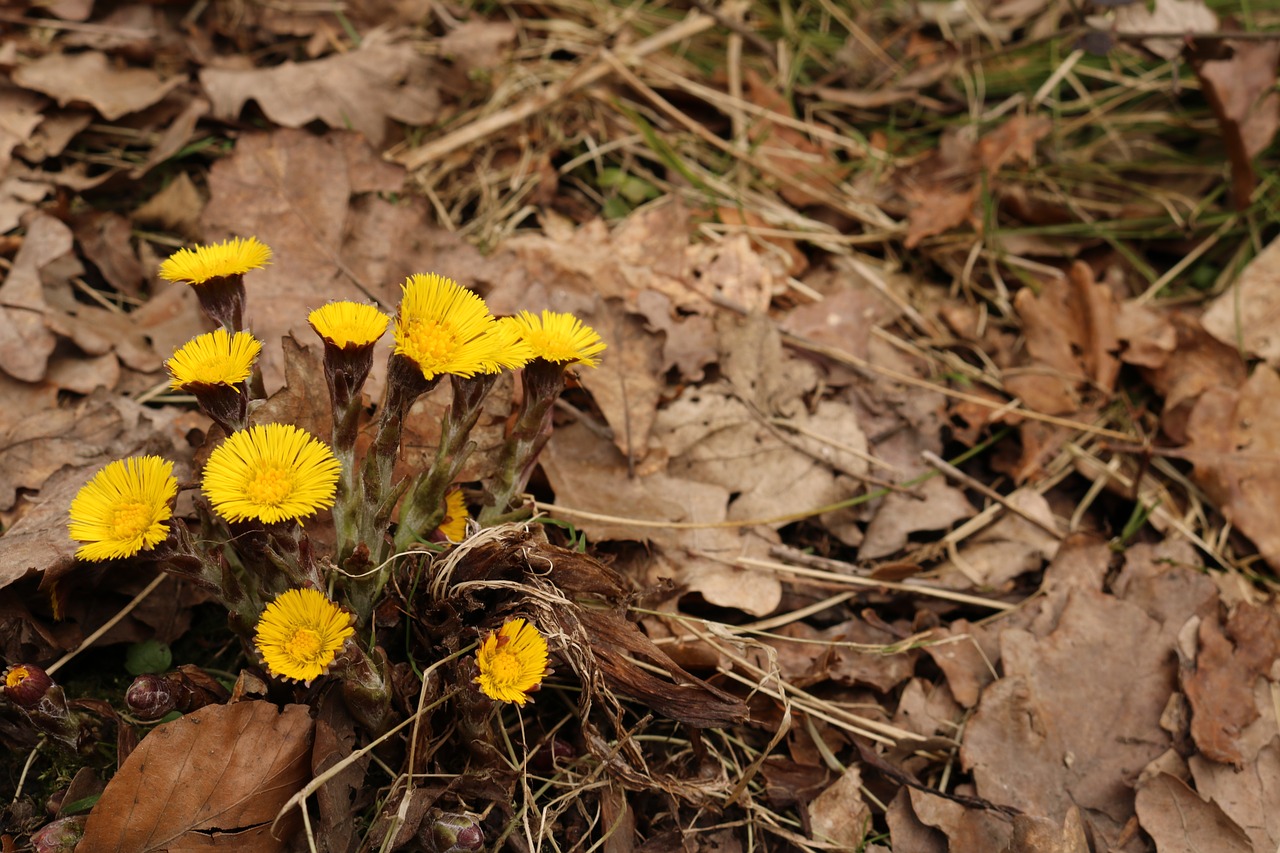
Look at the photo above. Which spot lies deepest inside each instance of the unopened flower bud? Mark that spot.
(453, 832)
(61, 836)
(25, 684)
(150, 697)
(545, 758)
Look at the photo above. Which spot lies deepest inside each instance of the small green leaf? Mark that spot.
(148, 656)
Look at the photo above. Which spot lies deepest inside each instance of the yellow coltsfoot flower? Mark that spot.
(558, 337)
(218, 358)
(446, 329)
(512, 661)
(202, 264)
(123, 509)
(271, 473)
(348, 325)
(454, 524)
(300, 634)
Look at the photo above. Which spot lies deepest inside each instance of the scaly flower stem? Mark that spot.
(377, 492)
(424, 509)
(543, 381)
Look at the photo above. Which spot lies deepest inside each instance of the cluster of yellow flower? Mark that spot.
(266, 475)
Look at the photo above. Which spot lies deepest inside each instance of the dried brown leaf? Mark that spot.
(628, 383)
(1077, 714)
(20, 115)
(91, 78)
(839, 815)
(1247, 796)
(587, 472)
(25, 342)
(364, 89)
(1236, 452)
(1247, 315)
(1178, 819)
(214, 779)
(968, 830)
(1165, 16)
(1241, 91)
(105, 238)
(1220, 686)
(933, 505)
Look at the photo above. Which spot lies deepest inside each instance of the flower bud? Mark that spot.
(25, 684)
(61, 836)
(150, 697)
(545, 758)
(453, 832)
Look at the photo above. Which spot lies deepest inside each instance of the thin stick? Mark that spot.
(548, 95)
(851, 580)
(907, 379)
(109, 624)
(959, 476)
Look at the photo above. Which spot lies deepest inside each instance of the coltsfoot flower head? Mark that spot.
(300, 633)
(348, 325)
(454, 524)
(512, 661)
(270, 472)
(218, 358)
(25, 684)
(219, 260)
(559, 337)
(445, 329)
(123, 509)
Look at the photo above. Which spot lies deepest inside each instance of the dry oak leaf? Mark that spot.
(587, 472)
(212, 780)
(1247, 796)
(25, 341)
(1165, 16)
(1179, 820)
(1220, 685)
(839, 815)
(1241, 91)
(1247, 315)
(1236, 452)
(93, 79)
(1077, 715)
(362, 90)
(1071, 342)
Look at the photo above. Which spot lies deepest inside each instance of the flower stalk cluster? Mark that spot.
(308, 614)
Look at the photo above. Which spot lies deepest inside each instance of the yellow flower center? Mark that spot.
(270, 486)
(16, 676)
(432, 341)
(504, 668)
(130, 520)
(304, 645)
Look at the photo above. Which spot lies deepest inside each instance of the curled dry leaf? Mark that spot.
(363, 89)
(90, 77)
(25, 342)
(1241, 91)
(212, 780)
(1220, 684)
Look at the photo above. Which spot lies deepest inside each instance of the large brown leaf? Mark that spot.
(212, 780)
